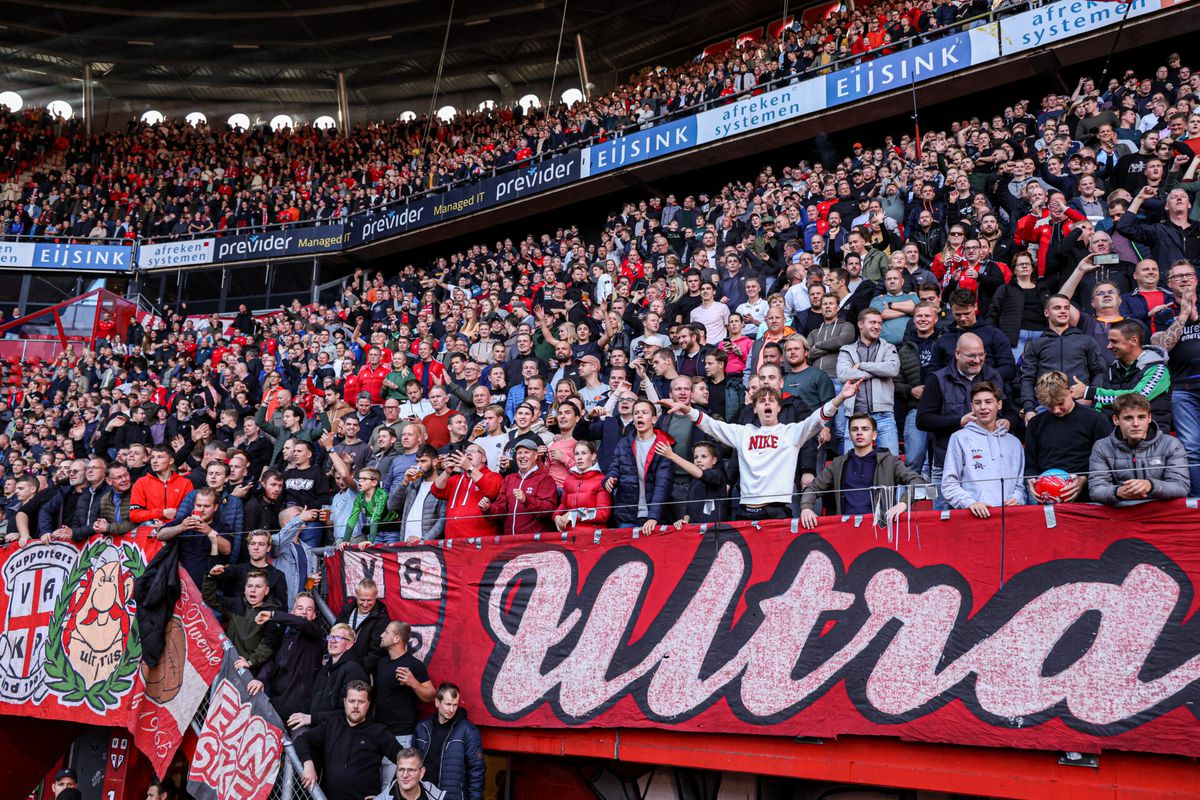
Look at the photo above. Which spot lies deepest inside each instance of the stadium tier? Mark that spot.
(870, 474)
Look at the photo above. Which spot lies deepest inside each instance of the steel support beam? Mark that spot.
(585, 81)
(343, 99)
(89, 103)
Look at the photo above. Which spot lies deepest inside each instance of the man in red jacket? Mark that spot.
(1046, 226)
(465, 483)
(528, 496)
(370, 377)
(157, 494)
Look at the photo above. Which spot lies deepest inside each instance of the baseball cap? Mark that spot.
(66, 772)
(590, 359)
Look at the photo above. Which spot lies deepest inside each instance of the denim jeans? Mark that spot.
(1185, 409)
(935, 477)
(1024, 338)
(886, 433)
(916, 443)
(839, 419)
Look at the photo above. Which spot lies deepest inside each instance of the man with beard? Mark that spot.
(349, 747)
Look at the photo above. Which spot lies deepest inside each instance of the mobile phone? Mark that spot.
(1106, 259)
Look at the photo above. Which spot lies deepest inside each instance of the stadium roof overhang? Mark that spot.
(291, 50)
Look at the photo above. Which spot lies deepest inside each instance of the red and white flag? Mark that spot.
(176, 687)
(241, 745)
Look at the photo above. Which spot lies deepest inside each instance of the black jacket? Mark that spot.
(1008, 308)
(156, 591)
(87, 509)
(290, 675)
(366, 647)
(330, 685)
(458, 768)
(348, 758)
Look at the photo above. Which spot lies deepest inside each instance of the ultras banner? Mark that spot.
(70, 647)
(240, 747)
(1063, 628)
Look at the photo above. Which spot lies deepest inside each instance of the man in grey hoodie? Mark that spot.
(1138, 462)
(984, 462)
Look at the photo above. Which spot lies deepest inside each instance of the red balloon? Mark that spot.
(1051, 484)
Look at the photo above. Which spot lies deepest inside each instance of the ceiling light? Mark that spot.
(381, 38)
(139, 43)
(473, 22)
(245, 47)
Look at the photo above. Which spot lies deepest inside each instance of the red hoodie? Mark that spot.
(533, 514)
(586, 490)
(462, 496)
(1028, 231)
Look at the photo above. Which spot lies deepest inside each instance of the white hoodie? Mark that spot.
(983, 467)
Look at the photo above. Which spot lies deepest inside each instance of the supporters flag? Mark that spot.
(175, 687)
(240, 747)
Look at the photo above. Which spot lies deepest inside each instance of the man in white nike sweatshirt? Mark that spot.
(767, 453)
(984, 462)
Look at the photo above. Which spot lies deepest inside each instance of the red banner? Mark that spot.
(69, 648)
(176, 687)
(1065, 628)
(241, 744)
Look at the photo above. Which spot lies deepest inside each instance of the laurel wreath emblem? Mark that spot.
(63, 680)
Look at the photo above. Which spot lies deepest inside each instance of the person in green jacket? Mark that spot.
(393, 384)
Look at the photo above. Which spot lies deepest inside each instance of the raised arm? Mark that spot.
(664, 450)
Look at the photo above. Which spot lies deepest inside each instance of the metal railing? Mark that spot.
(288, 783)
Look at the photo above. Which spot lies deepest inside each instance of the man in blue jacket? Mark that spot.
(640, 479)
(451, 748)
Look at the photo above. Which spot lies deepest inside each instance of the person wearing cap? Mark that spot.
(65, 779)
(528, 495)
(592, 390)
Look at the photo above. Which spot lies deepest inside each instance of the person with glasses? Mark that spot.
(349, 747)
(391, 421)
(951, 254)
(341, 668)
(410, 779)
(1178, 328)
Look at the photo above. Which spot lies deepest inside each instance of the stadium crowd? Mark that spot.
(1003, 313)
(172, 180)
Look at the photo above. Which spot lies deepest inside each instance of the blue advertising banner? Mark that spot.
(489, 192)
(760, 110)
(83, 256)
(1053, 23)
(279, 244)
(633, 148)
(884, 74)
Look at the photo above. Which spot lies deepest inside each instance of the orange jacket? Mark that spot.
(151, 495)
